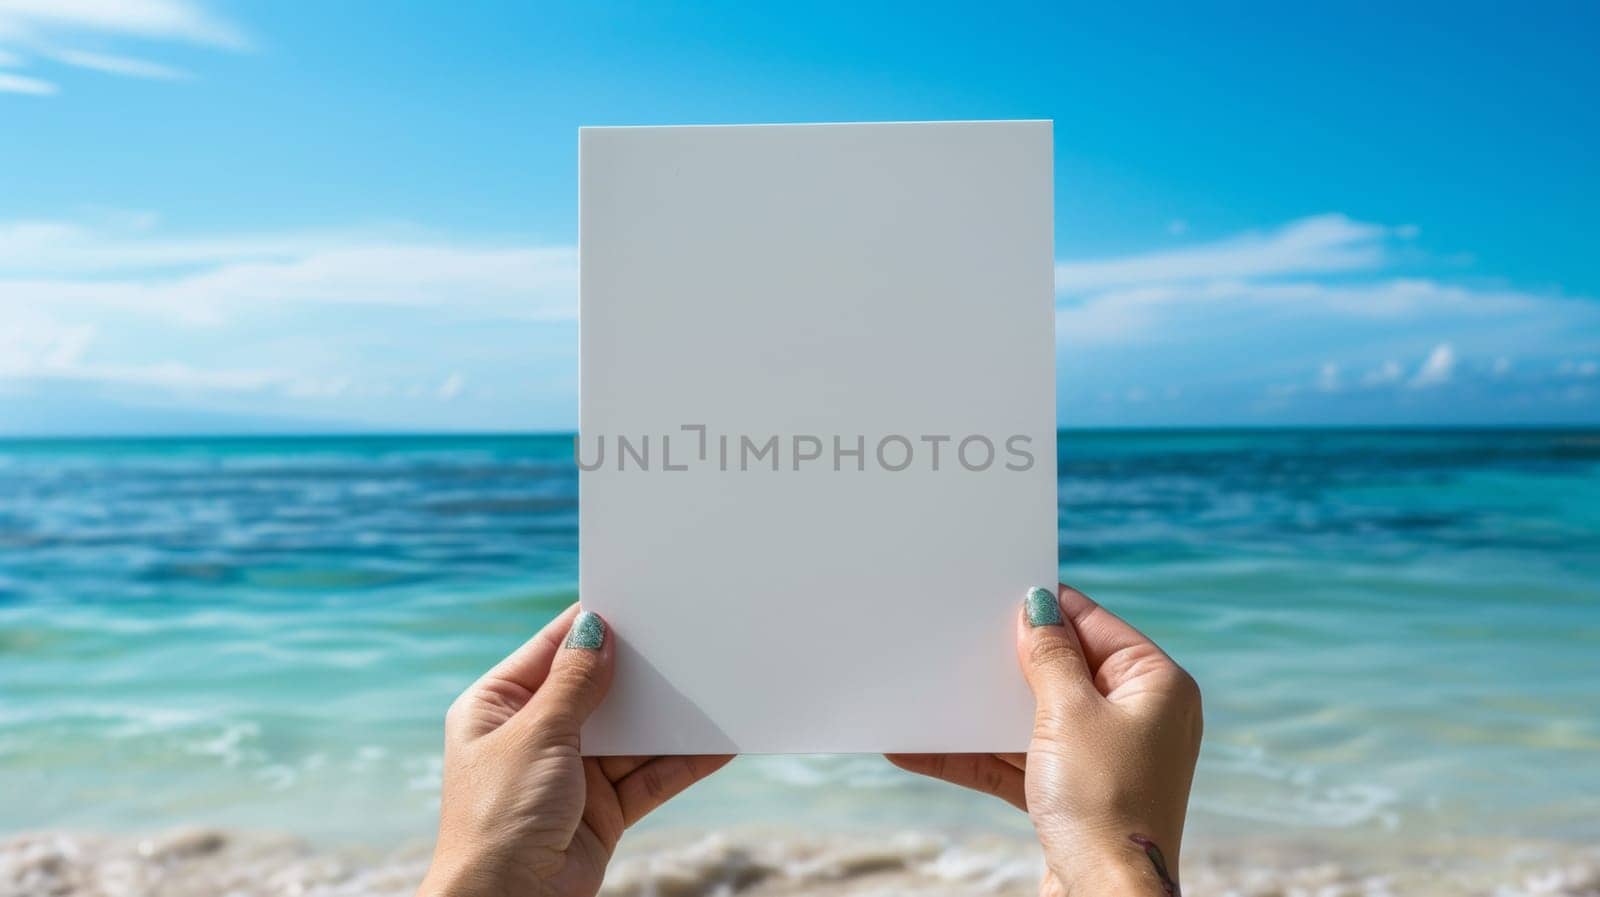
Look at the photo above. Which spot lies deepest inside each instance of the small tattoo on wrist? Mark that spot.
(1158, 861)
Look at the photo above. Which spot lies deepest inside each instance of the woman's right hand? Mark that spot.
(522, 810)
(1115, 739)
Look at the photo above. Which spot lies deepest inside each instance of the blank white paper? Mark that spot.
(878, 298)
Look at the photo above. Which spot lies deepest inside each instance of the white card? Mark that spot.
(888, 286)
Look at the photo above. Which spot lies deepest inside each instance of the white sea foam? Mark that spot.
(1263, 789)
(215, 863)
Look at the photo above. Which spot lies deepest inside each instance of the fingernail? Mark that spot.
(588, 632)
(1043, 608)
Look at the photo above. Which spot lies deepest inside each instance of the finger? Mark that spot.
(1119, 655)
(980, 772)
(601, 810)
(1101, 632)
(498, 694)
(528, 665)
(658, 781)
(1051, 657)
(617, 767)
(580, 676)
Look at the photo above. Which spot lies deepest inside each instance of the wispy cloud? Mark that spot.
(1328, 377)
(12, 83)
(152, 19)
(451, 386)
(1384, 374)
(284, 322)
(1322, 244)
(1322, 310)
(133, 242)
(119, 65)
(398, 326)
(63, 265)
(53, 31)
(1437, 368)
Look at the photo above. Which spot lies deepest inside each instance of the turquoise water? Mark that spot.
(1396, 632)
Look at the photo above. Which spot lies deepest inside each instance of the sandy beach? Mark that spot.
(199, 862)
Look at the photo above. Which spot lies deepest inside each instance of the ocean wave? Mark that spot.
(826, 772)
(1247, 784)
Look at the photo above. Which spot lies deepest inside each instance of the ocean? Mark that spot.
(1397, 632)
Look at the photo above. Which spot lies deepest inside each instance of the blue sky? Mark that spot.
(256, 216)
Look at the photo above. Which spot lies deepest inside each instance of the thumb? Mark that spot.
(1050, 653)
(580, 676)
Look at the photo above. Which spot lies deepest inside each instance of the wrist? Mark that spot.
(453, 879)
(1134, 866)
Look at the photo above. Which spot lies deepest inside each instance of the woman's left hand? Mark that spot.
(1116, 734)
(522, 810)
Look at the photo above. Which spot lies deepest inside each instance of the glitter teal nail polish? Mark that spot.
(588, 632)
(1043, 608)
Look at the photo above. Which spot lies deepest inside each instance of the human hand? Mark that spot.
(522, 811)
(1116, 735)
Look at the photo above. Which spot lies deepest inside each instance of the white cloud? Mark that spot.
(1437, 368)
(67, 266)
(333, 323)
(119, 65)
(1144, 310)
(312, 388)
(1321, 244)
(152, 19)
(452, 386)
(390, 325)
(1389, 372)
(1323, 316)
(10, 83)
(34, 342)
(176, 375)
(315, 317)
(35, 347)
(129, 242)
(1328, 377)
(52, 29)
(1279, 282)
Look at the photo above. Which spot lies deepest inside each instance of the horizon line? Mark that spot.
(1512, 427)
